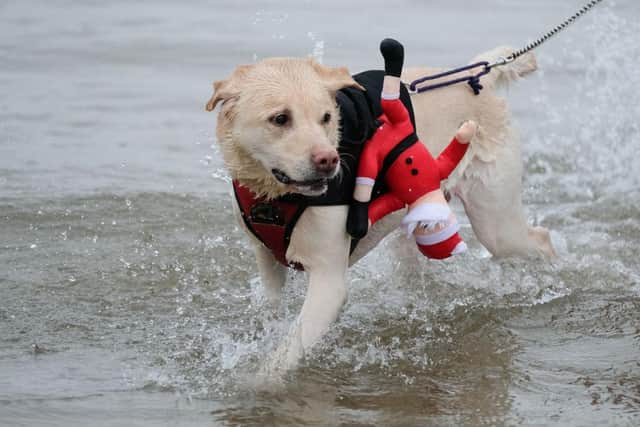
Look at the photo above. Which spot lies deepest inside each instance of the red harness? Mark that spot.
(270, 221)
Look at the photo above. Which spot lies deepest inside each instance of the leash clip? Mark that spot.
(501, 61)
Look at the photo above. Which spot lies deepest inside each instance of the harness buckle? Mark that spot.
(410, 88)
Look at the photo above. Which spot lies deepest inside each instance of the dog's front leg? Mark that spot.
(320, 243)
(272, 274)
(326, 294)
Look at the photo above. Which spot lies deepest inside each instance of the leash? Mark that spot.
(474, 80)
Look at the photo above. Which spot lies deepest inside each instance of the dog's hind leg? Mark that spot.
(272, 274)
(541, 236)
(491, 186)
(491, 194)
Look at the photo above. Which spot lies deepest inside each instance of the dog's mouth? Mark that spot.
(315, 186)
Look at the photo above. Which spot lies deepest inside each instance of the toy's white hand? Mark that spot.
(466, 132)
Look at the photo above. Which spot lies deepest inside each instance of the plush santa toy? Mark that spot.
(411, 174)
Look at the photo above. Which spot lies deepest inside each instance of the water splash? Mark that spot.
(318, 47)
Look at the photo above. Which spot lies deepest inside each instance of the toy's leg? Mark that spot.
(393, 108)
(434, 226)
(370, 160)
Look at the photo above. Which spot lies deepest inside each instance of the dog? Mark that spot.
(279, 119)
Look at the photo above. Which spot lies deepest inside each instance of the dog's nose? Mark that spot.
(324, 159)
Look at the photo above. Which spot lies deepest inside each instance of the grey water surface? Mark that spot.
(129, 297)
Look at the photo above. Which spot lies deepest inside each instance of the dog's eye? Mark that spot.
(326, 118)
(280, 119)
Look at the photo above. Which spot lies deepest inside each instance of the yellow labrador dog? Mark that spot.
(280, 114)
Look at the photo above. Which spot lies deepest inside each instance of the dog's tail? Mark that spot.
(505, 74)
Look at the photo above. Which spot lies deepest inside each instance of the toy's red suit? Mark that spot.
(414, 174)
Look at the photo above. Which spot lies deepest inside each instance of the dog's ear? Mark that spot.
(220, 93)
(224, 90)
(335, 78)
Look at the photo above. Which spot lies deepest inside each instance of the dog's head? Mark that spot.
(278, 125)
